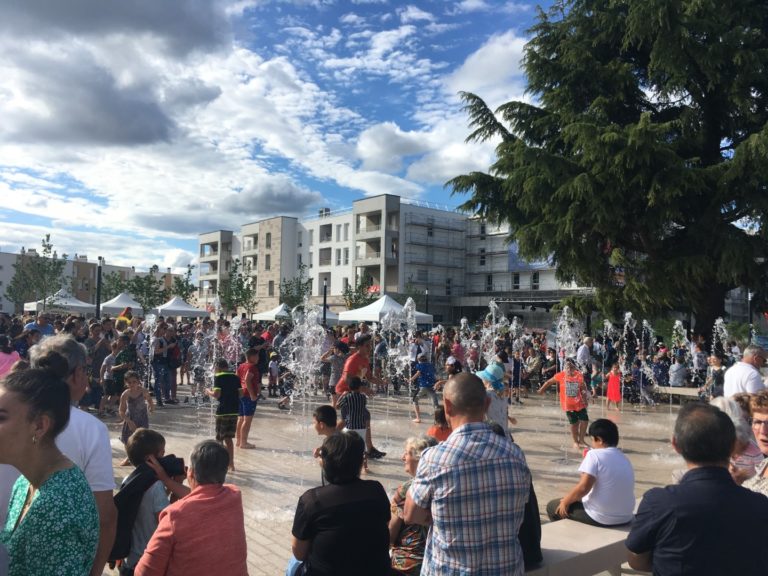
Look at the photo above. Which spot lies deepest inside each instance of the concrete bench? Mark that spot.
(574, 549)
(677, 391)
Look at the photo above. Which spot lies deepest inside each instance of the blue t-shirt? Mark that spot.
(426, 374)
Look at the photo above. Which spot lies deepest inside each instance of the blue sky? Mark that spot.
(131, 127)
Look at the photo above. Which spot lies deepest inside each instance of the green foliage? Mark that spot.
(183, 287)
(358, 296)
(37, 276)
(645, 150)
(239, 290)
(148, 290)
(112, 284)
(293, 291)
(412, 291)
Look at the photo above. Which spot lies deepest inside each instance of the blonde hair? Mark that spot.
(415, 445)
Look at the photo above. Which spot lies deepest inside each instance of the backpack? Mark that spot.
(127, 502)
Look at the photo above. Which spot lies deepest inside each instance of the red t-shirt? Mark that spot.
(571, 391)
(439, 434)
(242, 372)
(267, 336)
(356, 365)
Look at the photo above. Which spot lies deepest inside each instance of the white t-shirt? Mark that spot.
(742, 377)
(497, 410)
(85, 441)
(153, 502)
(612, 499)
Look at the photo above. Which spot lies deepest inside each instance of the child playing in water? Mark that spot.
(228, 391)
(324, 422)
(614, 387)
(354, 415)
(135, 406)
(441, 429)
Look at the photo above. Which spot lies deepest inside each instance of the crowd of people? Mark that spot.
(467, 504)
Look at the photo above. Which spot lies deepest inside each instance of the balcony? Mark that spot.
(367, 257)
(324, 261)
(326, 238)
(211, 255)
(368, 231)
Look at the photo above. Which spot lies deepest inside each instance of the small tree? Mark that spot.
(239, 290)
(148, 290)
(183, 286)
(412, 291)
(112, 284)
(359, 295)
(37, 276)
(293, 291)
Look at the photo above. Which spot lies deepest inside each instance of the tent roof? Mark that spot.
(120, 302)
(62, 300)
(376, 311)
(177, 307)
(281, 311)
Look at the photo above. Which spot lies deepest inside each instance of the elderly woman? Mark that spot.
(340, 528)
(52, 525)
(759, 407)
(746, 455)
(408, 540)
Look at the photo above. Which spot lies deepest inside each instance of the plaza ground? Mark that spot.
(274, 474)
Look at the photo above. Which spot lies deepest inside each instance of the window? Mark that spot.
(268, 240)
(346, 255)
(344, 283)
(338, 232)
(535, 281)
(310, 259)
(482, 256)
(298, 260)
(430, 227)
(338, 256)
(489, 283)
(267, 262)
(255, 240)
(311, 237)
(515, 281)
(300, 239)
(448, 286)
(482, 231)
(421, 275)
(346, 232)
(271, 288)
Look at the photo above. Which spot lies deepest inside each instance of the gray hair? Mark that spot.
(737, 416)
(753, 350)
(64, 344)
(209, 462)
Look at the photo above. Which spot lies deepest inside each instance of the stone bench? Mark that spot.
(574, 549)
(677, 391)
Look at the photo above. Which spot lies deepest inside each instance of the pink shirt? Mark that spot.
(201, 534)
(6, 361)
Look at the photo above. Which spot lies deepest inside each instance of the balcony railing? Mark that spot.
(369, 228)
(367, 256)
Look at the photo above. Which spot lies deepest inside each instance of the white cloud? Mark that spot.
(413, 13)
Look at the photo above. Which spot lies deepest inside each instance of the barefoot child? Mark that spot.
(353, 412)
(250, 381)
(227, 390)
(423, 384)
(573, 400)
(135, 406)
(613, 393)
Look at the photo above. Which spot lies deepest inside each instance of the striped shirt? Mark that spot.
(476, 484)
(353, 412)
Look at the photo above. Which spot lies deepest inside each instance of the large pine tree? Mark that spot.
(646, 149)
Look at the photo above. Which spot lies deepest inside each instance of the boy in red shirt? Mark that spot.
(250, 380)
(573, 400)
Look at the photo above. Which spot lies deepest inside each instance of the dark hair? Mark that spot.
(209, 462)
(606, 430)
(55, 363)
(326, 414)
(503, 356)
(704, 434)
(131, 374)
(5, 344)
(342, 454)
(341, 347)
(440, 417)
(222, 364)
(251, 352)
(354, 383)
(363, 339)
(142, 443)
(43, 392)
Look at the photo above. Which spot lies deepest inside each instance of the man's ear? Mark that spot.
(674, 445)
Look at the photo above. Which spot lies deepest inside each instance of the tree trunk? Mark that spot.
(707, 308)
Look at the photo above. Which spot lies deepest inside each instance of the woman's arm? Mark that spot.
(300, 548)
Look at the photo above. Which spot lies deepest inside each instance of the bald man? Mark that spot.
(473, 488)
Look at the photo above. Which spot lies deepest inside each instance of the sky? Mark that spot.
(131, 127)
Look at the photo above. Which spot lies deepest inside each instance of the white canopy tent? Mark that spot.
(177, 307)
(376, 311)
(282, 312)
(120, 303)
(61, 302)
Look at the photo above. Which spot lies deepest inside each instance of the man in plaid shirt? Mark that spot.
(472, 490)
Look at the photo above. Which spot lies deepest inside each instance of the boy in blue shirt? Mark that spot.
(423, 384)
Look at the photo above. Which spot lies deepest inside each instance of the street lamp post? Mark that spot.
(98, 287)
(325, 297)
(426, 300)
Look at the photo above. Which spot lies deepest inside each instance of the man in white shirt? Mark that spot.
(85, 440)
(745, 376)
(605, 494)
